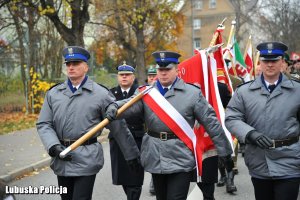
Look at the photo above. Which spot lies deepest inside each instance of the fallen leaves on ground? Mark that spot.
(10, 122)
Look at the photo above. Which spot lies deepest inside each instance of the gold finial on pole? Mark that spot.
(216, 34)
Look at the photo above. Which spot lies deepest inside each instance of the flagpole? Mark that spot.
(229, 46)
(216, 34)
(256, 60)
(247, 46)
(233, 23)
(245, 55)
(102, 124)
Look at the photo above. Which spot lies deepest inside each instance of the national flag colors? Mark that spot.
(202, 71)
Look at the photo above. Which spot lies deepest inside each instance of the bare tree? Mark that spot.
(280, 21)
(244, 9)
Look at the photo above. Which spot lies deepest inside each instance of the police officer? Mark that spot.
(163, 154)
(226, 177)
(151, 75)
(286, 65)
(295, 73)
(69, 111)
(131, 181)
(265, 113)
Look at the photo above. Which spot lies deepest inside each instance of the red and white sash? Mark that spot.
(175, 121)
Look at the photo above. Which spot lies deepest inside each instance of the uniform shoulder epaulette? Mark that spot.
(54, 85)
(295, 79)
(103, 86)
(245, 83)
(194, 85)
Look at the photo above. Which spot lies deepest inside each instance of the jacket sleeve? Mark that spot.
(124, 138)
(206, 115)
(45, 127)
(235, 117)
(120, 132)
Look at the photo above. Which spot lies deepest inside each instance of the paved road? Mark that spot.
(105, 190)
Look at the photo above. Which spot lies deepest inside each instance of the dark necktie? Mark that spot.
(271, 88)
(125, 94)
(74, 89)
(166, 90)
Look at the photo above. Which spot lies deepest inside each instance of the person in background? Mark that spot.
(226, 177)
(121, 173)
(286, 66)
(151, 75)
(70, 110)
(163, 154)
(255, 115)
(295, 71)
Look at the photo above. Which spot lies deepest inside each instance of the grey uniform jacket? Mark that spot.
(65, 115)
(173, 155)
(275, 115)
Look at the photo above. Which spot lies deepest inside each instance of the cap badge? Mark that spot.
(162, 55)
(70, 51)
(124, 62)
(270, 47)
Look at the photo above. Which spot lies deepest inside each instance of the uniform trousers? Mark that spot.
(78, 187)
(132, 192)
(209, 177)
(172, 186)
(280, 189)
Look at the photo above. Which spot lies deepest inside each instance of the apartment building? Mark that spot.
(201, 20)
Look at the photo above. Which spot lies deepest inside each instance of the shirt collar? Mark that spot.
(127, 90)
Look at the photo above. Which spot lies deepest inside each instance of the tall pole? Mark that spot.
(216, 34)
(193, 36)
(256, 61)
(245, 55)
(229, 46)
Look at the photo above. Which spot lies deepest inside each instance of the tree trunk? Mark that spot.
(80, 16)
(140, 56)
(20, 34)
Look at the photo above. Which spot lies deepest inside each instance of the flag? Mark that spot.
(295, 56)
(239, 63)
(249, 59)
(175, 121)
(202, 71)
(223, 75)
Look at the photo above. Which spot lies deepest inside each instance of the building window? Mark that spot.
(212, 3)
(197, 24)
(198, 4)
(197, 43)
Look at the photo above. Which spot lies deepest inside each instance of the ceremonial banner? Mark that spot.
(201, 71)
(249, 59)
(222, 71)
(239, 63)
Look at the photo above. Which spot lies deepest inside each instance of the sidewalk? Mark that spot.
(22, 152)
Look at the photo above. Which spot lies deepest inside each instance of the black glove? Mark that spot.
(55, 150)
(111, 111)
(135, 165)
(259, 139)
(228, 162)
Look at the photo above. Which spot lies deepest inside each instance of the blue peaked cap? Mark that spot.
(164, 58)
(75, 53)
(271, 50)
(125, 69)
